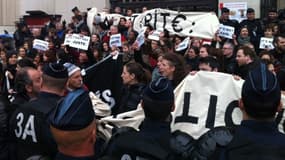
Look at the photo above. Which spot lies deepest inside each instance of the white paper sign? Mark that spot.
(226, 31)
(154, 35)
(40, 45)
(79, 41)
(115, 40)
(183, 45)
(266, 43)
(237, 10)
(67, 39)
(195, 24)
(140, 39)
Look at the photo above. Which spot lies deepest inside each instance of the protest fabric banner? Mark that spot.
(115, 40)
(196, 24)
(266, 43)
(203, 102)
(79, 41)
(226, 31)
(183, 45)
(40, 45)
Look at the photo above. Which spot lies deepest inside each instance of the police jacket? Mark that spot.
(151, 142)
(61, 156)
(29, 127)
(255, 141)
(3, 130)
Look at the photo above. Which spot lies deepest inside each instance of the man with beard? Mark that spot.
(279, 51)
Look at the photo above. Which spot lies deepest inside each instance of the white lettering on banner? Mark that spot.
(266, 43)
(226, 31)
(40, 45)
(106, 97)
(196, 24)
(79, 41)
(115, 40)
(206, 105)
(29, 127)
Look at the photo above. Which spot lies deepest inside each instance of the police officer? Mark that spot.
(29, 126)
(73, 127)
(153, 139)
(257, 137)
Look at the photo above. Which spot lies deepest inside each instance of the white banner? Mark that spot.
(266, 43)
(226, 31)
(196, 24)
(40, 45)
(206, 100)
(77, 41)
(115, 40)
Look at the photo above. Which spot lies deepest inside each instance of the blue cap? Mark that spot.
(160, 90)
(74, 112)
(261, 92)
(55, 70)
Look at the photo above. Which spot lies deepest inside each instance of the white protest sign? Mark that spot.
(201, 105)
(154, 35)
(195, 24)
(40, 45)
(79, 41)
(183, 45)
(140, 39)
(115, 40)
(266, 43)
(237, 10)
(67, 39)
(226, 31)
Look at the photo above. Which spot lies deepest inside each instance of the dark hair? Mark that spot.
(22, 79)
(195, 49)
(178, 62)
(276, 38)
(26, 62)
(56, 83)
(209, 60)
(225, 10)
(141, 74)
(156, 110)
(248, 52)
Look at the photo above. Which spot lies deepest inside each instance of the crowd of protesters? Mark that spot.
(29, 76)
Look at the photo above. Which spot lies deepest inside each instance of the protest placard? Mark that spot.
(115, 40)
(79, 41)
(183, 45)
(226, 31)
(40, 45)
(266, 43)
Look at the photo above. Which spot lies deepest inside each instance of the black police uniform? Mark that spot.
(151, 142)
(256, 140)
(29, 128)
(61, 156)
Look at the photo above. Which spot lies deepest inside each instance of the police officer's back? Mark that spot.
(257, 138)
(29, 126)
(152, 141)
(73, 127)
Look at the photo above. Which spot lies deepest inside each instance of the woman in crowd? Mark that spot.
(173, 67)
(192, 58)
(135, 78)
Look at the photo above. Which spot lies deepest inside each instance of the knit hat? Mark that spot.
(74, 112)
(55, 70)
(71, 68)
(160, 90)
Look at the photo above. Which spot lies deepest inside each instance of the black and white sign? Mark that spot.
(115, 40)
(226, 31)
(40, 45)
(266, 43)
